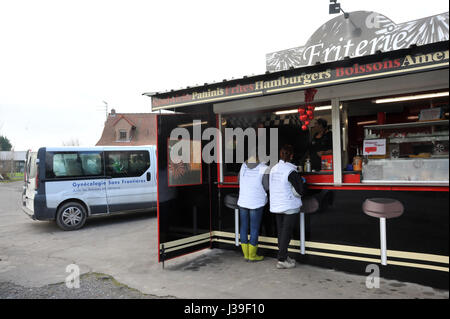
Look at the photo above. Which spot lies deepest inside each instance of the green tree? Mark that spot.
(5, 144)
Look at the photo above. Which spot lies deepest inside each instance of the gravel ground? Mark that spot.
(92, 286)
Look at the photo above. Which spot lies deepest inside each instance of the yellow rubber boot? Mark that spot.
(245, 251)
(252, 253)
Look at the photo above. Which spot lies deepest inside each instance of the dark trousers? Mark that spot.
(285, 227)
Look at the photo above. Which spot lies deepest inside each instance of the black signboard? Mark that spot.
(314, 77)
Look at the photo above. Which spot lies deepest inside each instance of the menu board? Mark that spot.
(188, 172)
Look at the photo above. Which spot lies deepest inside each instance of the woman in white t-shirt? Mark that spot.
(253, 186)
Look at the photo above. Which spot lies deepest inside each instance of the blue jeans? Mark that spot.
(255, 217)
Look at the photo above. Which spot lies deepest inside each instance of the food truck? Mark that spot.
(385, 99)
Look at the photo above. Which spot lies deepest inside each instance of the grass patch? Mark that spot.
(14, 177)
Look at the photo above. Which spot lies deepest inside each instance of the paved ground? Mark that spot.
(117, 256)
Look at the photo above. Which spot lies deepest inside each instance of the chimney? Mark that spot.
(113, 113)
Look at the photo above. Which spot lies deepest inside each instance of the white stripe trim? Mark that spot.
(178, 242)
(354, 249)
(187, 245)
(206, 237)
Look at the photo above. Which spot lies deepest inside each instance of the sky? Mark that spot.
(59, 60)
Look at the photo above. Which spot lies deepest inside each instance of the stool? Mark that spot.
(310, 205)
(230, 201)
(383, 208)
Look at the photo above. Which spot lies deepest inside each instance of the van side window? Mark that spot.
(31, 166)
(92, 164)
(74, 164)
(127, 163)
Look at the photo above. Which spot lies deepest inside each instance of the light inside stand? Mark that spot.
(411, 97)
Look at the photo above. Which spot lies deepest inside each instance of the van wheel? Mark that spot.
(71, 216)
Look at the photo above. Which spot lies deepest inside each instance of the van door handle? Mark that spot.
(148, 177)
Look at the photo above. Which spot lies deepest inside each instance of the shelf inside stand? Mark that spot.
(407, 125)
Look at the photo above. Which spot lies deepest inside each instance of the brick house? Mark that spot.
(129, 129)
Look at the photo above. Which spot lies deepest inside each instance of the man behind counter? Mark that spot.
(321, 144)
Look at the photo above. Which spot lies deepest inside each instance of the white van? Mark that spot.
(69, 184)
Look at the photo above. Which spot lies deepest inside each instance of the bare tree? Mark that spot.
(71, 142)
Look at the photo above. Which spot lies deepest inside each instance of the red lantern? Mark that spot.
(304, 127)
(309, 112)
(301, 111)
(311, 107)
(303, 117)
(306, 122)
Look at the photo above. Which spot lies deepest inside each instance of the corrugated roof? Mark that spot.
(17, 155)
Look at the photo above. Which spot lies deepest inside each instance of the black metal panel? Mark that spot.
(423, 228)
(184, 212)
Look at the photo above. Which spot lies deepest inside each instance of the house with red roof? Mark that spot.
(129, 129)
